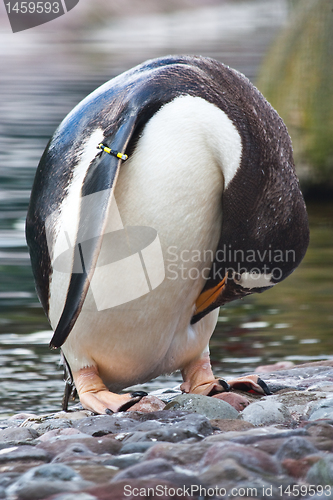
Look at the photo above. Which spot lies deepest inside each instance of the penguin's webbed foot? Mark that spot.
(95, 396)
(199, 379)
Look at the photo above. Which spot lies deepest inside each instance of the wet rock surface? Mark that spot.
(180, 446)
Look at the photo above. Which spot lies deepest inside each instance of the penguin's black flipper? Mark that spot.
(101, 178)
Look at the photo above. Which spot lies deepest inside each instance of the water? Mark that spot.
(44, 73)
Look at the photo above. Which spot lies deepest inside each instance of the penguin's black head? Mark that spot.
(257, 249)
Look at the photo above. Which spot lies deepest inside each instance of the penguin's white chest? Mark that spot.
(172, 183)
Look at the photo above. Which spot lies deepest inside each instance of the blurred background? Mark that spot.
(285, 47)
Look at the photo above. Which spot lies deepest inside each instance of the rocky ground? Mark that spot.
(171, 445)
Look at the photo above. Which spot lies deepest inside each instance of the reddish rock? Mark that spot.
(271, 445)
(60, 432)
(299, 468)
(246, 456)
(145, 468)
(181, 453)
(236, 400)
(95, 472)
(22, 416)
(97, 445)
(281, 365)
(148, 404)
(226, 425)
(321, 435)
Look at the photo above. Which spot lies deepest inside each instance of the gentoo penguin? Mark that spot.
(166, 193)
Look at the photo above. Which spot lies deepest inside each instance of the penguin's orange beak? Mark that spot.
(208, 297)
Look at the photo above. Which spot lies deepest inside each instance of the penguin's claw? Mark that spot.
(210, 388)
(250, 383)
(199, 379)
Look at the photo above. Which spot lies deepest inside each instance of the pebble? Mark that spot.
(321, 472)
(139, 447)
(249, 458)
(210, 407)
(41, 482)
(298, 468)
(147, 468)
(17, 434)
(180, 453)
(235, 400)
(124, 461)
(148, 404)
(296, 447)
(323, 409)
(267, 412)
(98, 445)
(186, 426)
(175, 440)
(23, 452)
(281, 365)
(224, 470)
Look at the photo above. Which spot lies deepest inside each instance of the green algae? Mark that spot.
(297, 79)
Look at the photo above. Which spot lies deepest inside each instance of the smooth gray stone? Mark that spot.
(124, 461)
(139, 447)
(75, 451)
(209, 407)
(296, 447)
(321, 473)
(266, 412)
(324, 409)
(46, 480)
(50, 424)
(23, 452)
(184, 427)
(38, 490)
(51, 472)
(18, 434)
(100, 425)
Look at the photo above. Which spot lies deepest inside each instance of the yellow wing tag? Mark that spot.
(112, 152)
